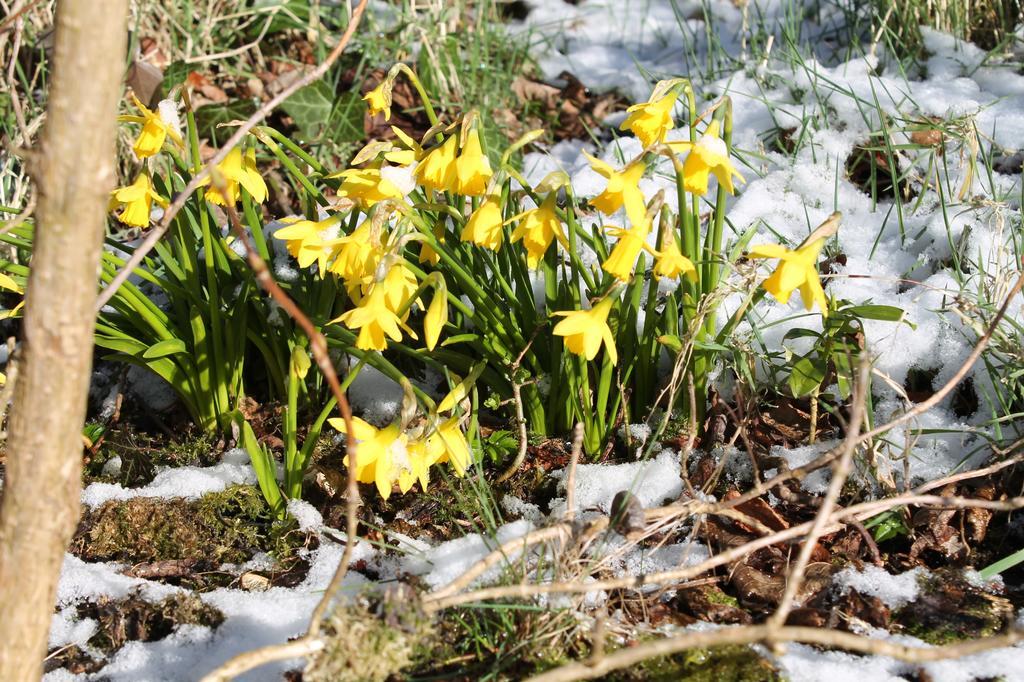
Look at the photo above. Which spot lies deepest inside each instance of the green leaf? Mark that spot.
(671, 341)
(212, 115)
(1002, 565)
(711, 345)
(164, 348)
(265, 468)
(799, 333)
(885, 313)
(174, 75)
(887, 525)
(318, 112)
(807, 375)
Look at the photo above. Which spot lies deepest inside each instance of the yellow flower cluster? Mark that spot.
(237, 170)
(393, 456)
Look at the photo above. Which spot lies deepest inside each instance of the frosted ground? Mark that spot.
(896, 255)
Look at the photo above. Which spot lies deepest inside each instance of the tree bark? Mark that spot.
(74, 173)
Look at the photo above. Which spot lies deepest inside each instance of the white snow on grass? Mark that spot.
(652, 482)
(186, 482)
(440, 565)
(804, 663)
(893, 590)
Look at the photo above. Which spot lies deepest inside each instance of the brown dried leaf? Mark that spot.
(144, 79)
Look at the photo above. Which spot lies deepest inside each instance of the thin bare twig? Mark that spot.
(842, 469)
(570, 479)
(767, 634)
(143, 249)
(445, 599)
(517, 399)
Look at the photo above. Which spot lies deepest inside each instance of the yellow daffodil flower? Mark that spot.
(796, 269)
(623, 189)
(538, 228)
(378, 100)
(472, 168)
(239, 170)
(584, 330)
(376, 452)
(357, 255)
(461, 390)
(622, 259)
(415, 466)
(671, 263)
(7, 282)
(650, 121)
(399, 285)
(404, 157)
(137, 199)
(312, 242)
(708, 155)
(451, 442)
(427, 252)
(484, 227)
(374, 319)
(437, 169)
(366, 186)
(156, 128)
(436, 318)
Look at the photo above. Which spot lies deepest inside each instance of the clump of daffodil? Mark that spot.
(796, 270)
(623, 189)
(137, 200)
(671, 263)
(157, 126)
(707, 155)
(585, 330)
(436, 171)
(238, 170)
(472, 168)
(631, 242)
(537, 229)
(311, 241)
(484, 226)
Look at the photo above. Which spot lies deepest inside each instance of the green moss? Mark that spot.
(950, 610)
(720, 597)
(228, 526)
(723, 664)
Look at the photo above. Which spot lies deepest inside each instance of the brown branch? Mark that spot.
(143, 249)
(234, 667)
(767, 634)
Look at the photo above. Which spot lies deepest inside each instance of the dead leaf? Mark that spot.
(144, 79)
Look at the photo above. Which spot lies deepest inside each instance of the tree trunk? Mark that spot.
(74, 173)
